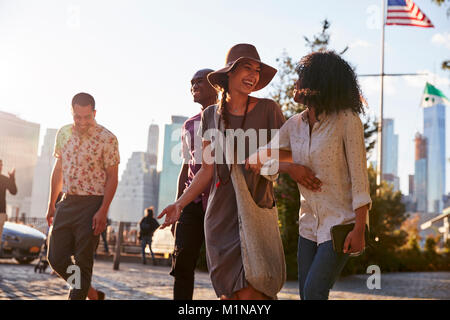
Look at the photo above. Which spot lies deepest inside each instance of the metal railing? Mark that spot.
(130, 241)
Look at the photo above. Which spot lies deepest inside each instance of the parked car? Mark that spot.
(163, 242)
(21, 242)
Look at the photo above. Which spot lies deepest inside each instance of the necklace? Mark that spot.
(237, 108)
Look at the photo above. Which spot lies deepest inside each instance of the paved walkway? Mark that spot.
(137, 282)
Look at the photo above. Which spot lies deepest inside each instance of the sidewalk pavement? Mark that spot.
(135, 281)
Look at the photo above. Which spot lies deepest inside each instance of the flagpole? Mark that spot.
(380, 122)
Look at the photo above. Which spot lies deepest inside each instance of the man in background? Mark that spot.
(6, 183)
(147, 226)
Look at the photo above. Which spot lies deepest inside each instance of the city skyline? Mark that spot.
(141, 71)
(142, 169)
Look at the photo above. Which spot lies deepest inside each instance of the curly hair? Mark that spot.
(328, 83)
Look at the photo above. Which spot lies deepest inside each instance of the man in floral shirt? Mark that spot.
(86, 171)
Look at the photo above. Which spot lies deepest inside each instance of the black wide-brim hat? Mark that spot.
(239, 53)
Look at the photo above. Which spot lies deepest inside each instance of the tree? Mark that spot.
(321, 40)
(411, 227)
(445, 3)
(386, 217)
(286, 191)
(283, 90)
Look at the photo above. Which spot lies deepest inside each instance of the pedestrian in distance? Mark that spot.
(147, 226)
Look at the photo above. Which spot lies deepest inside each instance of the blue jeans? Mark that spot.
(318, 268)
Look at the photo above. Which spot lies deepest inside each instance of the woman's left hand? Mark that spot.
(254, 163)
(355, 242)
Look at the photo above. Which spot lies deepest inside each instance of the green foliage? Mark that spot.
(443, 3)
(370, 137)
(385, 217)
(387, 214)
(430, 246)
(447, 247)
(283, 89)
(288, 204)
(397, 248)
(321, 40)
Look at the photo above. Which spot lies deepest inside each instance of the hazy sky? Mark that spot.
(137, 57)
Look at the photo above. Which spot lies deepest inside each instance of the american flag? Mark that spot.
(406, 13)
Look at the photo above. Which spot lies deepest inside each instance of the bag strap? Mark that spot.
(219, 140)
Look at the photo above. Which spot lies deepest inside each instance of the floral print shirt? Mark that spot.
(336, 153)
(85, 158)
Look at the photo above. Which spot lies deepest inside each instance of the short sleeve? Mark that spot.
(111, 155)
(62, 137)
(57, 149)
(204, 129)
(355, 151)
(185, 142)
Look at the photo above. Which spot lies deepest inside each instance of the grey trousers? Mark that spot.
(72, 235)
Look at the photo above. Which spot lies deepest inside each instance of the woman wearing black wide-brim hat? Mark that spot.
(230, 260)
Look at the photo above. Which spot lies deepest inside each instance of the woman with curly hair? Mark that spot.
(328, 138)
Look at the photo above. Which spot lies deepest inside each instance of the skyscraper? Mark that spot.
(390, 154)
(137, 189)
(152, 144)
(390, 148)
(420, 174)
(139, 185)
(411, 184)
(42, 176)
(434, 131)
(172, 161)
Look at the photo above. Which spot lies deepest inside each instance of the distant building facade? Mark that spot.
(390, 148)
(153, 144)
(19, 142)
(42, 176)
(172, 161)
(434, 131)
(138, 189)
(421, 174)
